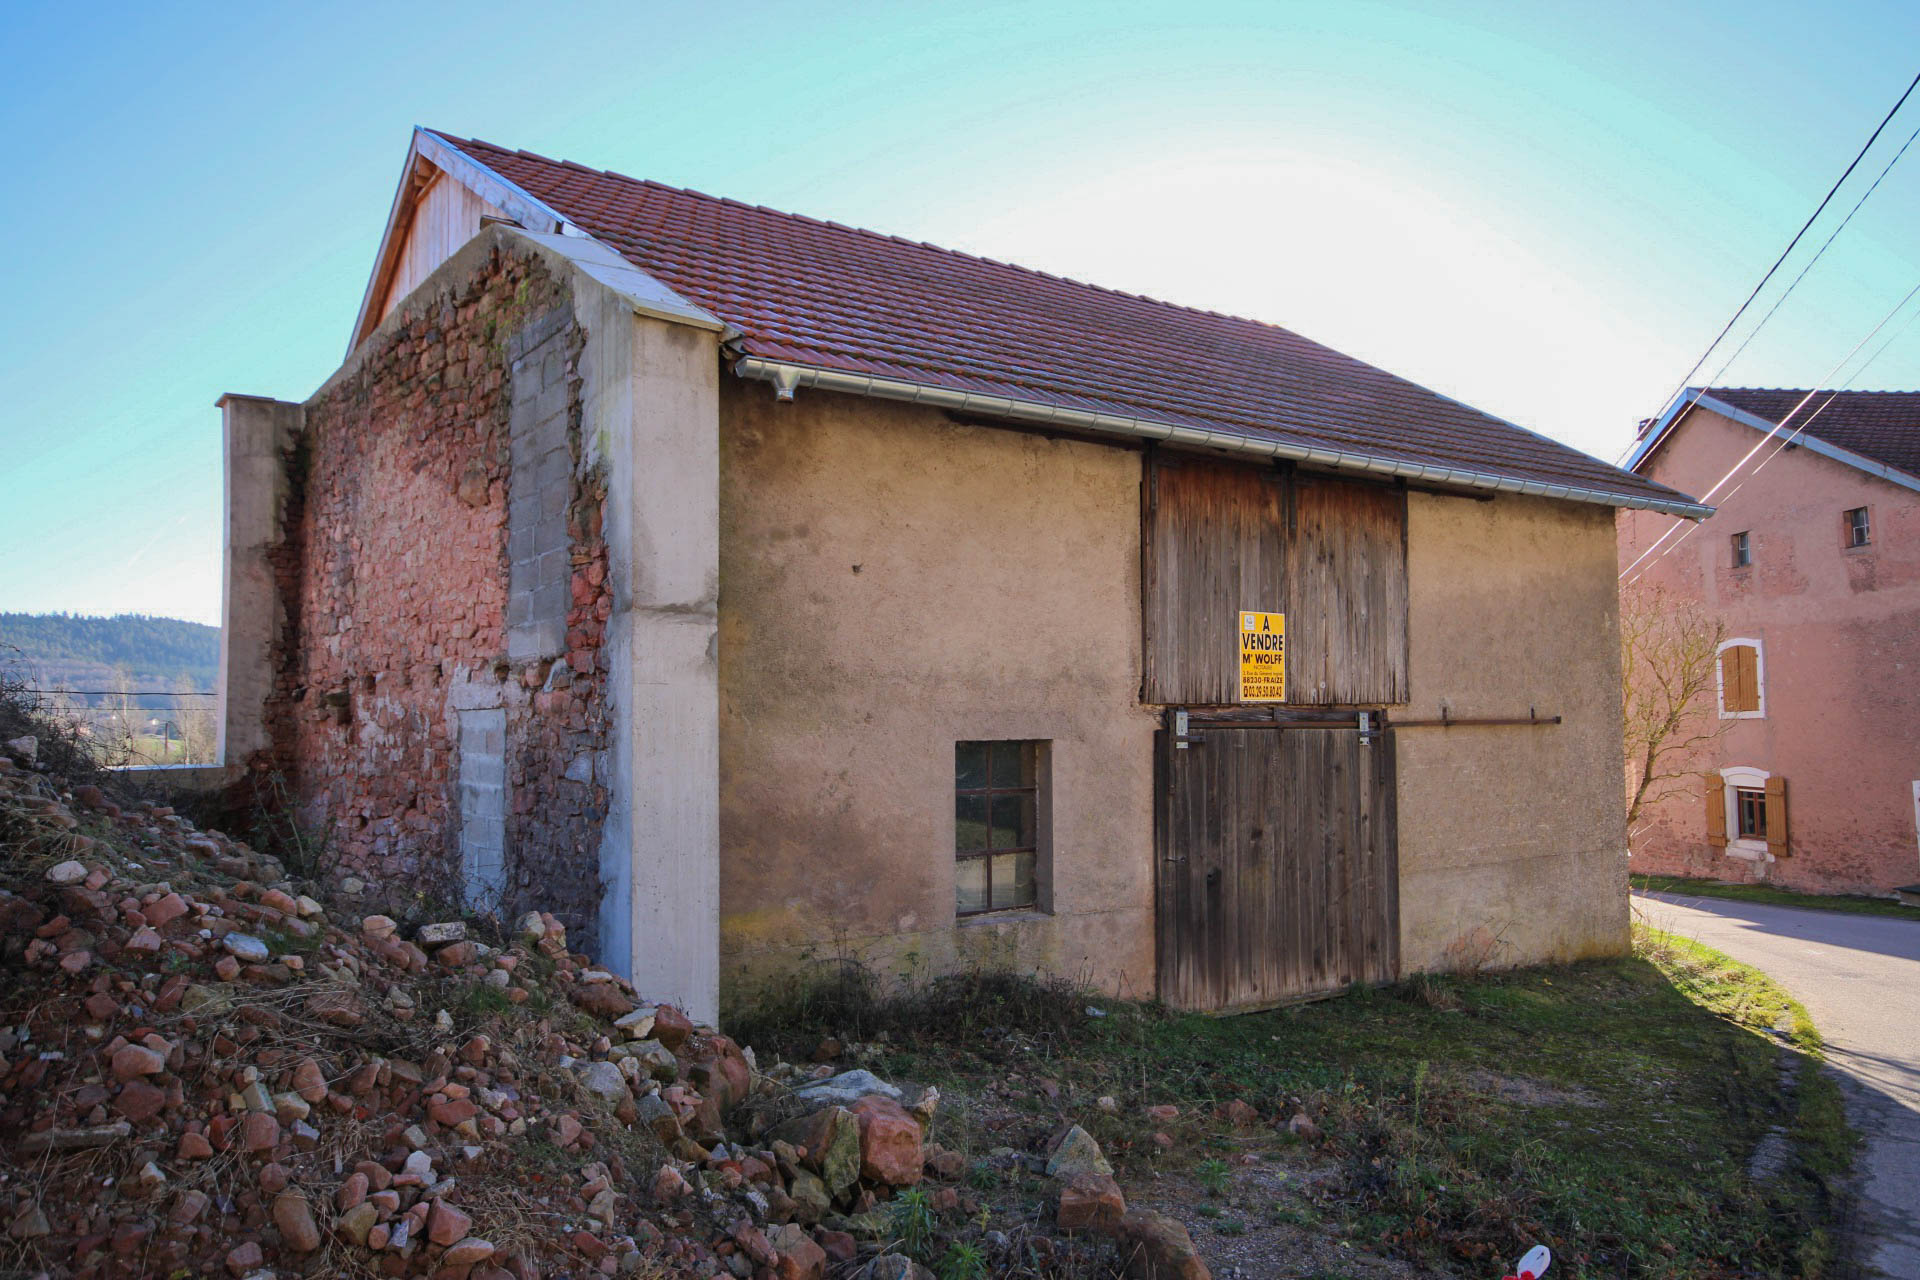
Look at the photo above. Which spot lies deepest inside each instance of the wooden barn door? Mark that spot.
(1275, 843)
(1278, 876)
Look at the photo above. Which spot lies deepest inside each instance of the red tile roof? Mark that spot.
(1883, 426)
(827, 296)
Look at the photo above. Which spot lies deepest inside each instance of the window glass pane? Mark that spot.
(969, 823)
(1013, 884)
(969, 765)
(1012, 764)
(1013, 822)
(970, 885)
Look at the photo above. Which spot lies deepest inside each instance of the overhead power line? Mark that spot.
(1778, 426)
(126, 693)
(1797, 236)
(1817, 255)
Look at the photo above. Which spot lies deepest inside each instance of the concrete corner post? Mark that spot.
(259, 435)
(653, 418)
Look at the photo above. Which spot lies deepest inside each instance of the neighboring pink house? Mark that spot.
(1813, 562)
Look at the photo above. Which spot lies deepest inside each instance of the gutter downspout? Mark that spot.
(786, 376)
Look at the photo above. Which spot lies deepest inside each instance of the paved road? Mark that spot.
(1859, 977)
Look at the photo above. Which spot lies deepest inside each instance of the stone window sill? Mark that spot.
(1026, 915)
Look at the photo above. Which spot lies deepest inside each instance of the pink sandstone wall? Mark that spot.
(1840, 640)
(394, 575)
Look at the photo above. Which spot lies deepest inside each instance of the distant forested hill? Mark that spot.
(89, 653)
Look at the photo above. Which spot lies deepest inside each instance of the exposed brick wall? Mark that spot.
(394, 574)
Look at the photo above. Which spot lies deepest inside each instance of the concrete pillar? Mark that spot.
(653, 419)
(260, 433)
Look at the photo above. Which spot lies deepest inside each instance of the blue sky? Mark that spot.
(1543, 210)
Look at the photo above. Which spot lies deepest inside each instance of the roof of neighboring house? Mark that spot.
(1875, 431)
(1881, 425)
(861, 306)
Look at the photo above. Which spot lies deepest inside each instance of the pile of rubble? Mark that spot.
(203, 1073)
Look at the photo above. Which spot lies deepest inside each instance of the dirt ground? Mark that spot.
(1254, 1231)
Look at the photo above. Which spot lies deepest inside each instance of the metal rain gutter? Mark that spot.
(786, 377)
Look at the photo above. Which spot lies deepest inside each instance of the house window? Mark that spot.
(998, 795)
(1742, 680)
(1747, 814)
(1859, 531)
(1742, 550)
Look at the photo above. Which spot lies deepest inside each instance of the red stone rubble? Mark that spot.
(202, 1072)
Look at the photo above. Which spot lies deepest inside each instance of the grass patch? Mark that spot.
(1769, 895)
(1605, 1109)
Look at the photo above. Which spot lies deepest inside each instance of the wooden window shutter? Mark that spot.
(1716, 811)
(1739, 679)
(1777, 816)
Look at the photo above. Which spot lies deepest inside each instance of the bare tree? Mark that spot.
(122, 718)
(64, 707)
(193, 712)
(1669, 654)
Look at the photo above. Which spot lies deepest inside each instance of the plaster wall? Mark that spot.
(894, 582)
(1839, 630)
(259, 434)
(1512, 839)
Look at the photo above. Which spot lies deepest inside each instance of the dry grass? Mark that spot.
(1457, 1115)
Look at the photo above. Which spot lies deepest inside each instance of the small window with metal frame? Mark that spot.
(1742, 550)
(996, 829)
(1859, 529)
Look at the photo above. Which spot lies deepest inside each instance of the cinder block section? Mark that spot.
(540, 488)
(259, 438)
(483, 806)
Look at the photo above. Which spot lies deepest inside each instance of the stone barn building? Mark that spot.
(763, 591)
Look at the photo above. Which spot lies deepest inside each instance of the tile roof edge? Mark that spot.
(1801, 391)
(787, 376)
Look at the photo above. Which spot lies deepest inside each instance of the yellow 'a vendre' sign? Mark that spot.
(1263, 657)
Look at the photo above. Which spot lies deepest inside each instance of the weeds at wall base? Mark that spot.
(847, 1000)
